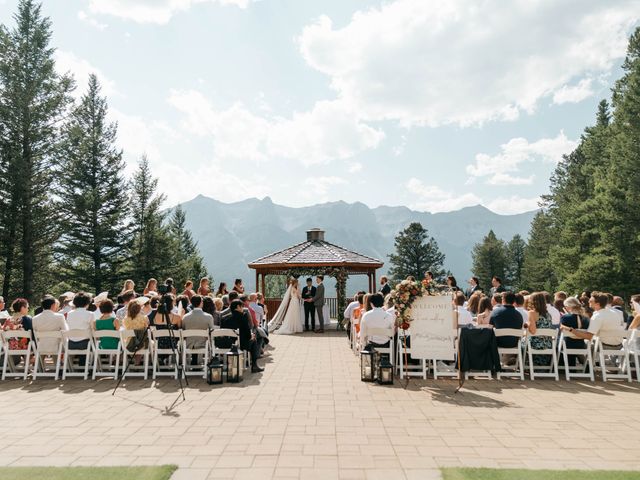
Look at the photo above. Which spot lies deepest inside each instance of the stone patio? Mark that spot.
(309, 416)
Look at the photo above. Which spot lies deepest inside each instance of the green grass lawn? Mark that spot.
(520, 474)
(87, 473)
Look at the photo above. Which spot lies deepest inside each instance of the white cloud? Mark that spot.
(329, 131)
(355, 167)
(82, 16)
(515, 152)
(320, 186)
(573, 93)
(151, 11)
(67, 61)
(458, 62)
(434, 199)
(512, 205)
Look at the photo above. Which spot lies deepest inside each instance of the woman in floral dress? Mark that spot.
(539, 317)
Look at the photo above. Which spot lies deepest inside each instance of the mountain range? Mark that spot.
(230, 235)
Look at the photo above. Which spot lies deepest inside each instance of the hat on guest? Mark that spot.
(68, 296)
(142, 300)
(101, 297)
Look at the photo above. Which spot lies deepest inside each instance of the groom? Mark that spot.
(308, 292)
(318, 301)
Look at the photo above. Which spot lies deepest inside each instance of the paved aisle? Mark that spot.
(309, 416)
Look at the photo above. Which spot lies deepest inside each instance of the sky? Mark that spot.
(436, 105)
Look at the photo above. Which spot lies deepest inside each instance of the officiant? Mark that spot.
(309, 291)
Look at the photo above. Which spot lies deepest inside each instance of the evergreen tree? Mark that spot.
(489, 260)
(33, 100)
(515, 253)
(416, 253)
(187, 261)
(93, 246)
(538, 271)
(151, 253)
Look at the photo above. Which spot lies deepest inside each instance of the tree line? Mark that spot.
(70, 218)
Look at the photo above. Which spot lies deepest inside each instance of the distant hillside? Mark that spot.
(230, 235)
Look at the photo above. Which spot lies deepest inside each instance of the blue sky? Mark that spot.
(434, 104)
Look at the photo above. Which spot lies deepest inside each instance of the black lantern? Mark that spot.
(368, 365)
(214, 372)
(234, 372)
(385, 371)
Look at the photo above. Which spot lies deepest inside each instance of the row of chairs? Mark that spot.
(66, 361)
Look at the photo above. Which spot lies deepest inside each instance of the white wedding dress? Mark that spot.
(288, 319)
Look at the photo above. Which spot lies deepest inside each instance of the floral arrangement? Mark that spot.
(405, 294)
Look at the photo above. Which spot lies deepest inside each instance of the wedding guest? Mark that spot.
(473, 305)
(507, 317)
(164, 319)
(496, 285)
(618, 305)
(474, 286)
(170, 286)
(184, 305)
(197, 319)
(635, 322)
(411, 278)
(603, 323)
(107, 321)
(238, 286)
(358, 311)
(485, 309)
(188, 289)
(262, 303)
(240, 320)
(464, 316)
(614, 306)
(377, 317)
(126, 297)
(151, 287)
(553, 311)
(348, 313)
(3, 313)
(385, 288)
(520, 308)
(80, 319)
(97, 300)
(136, 321)
(65, 303)
(20, 309)
(222, 290)
(214, 311)
(558, 301)
(573, 318)
(428, 278)
(253, 304)
(128, 285)
(49, 320)
(203, 288)
(496, 300)
(452, 283)
(540, 317)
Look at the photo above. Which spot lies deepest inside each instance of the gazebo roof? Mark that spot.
(315, 252)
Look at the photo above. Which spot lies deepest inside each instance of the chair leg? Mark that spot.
(26, 363)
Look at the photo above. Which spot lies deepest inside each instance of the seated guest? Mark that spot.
(136, 321)
(217, 314)
(80, 319)
(574, 318)
(253, 304)
(604, 323)
(238, 286)
(126, 299)
(377, 317)
(553, 311)
(635, 320)
(197, 319)
(348, 313)
(507, 317)
(485, 309)
(496, 300)
(184, 305)
(49, 321)
(261, 302)
(240, 321)
(222, 290)
(203, 288)
(209, 306)
(474, 303)
(520, 307)
(464, 316)
(97, 300)
(20, 309)
(107, 321)
(539, 317)
(188, 289)
(385, 288)
(65, 303)
(616, 305)
(3, 313)
(151, 288)
(558, 301)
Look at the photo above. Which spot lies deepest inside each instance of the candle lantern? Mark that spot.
(385, 371)
(214, 371)
(234, 370)
(367, 365)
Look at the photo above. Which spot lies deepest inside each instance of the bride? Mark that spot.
(288, 318)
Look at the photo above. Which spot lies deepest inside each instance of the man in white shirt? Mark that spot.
(604, 323)
(126, 298)
(80, 319)
(464, 315)
(553, 311)
(3, 313)
(376, 318)
(49, 321)
(520, 308)
(253, 304)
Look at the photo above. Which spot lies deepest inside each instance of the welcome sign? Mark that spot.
(432, 328)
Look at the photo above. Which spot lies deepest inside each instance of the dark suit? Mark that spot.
(385, 290)
(318, 301)
(309, 307)
(242, 323)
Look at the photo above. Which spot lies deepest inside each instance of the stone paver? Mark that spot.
(309, 416)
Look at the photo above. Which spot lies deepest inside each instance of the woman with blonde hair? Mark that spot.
(574, 318)
(151, 287)
(204, 289)
(128, 285)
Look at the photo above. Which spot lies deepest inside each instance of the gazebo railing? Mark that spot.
(274, 303)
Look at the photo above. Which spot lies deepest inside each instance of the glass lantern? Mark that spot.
(385, 371)
(234, 368)
(214, 372)
(367, 365)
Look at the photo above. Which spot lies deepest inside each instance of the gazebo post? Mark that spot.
(257, 278)
(264, 291)
(375, 283)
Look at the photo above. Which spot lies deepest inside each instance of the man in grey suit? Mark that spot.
(318, 301)
(197, 319)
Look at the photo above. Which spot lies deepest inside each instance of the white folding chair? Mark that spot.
(622, 369)
(518, 369)
(552, 369)
(112, 365)
(408, 369)
(221, 333)
(577, 371)
(200, 368)
(356, 345)
(9, 354)
(634, 350)
(47, 344)
(70, 353)
(386, 333)
(172, 368)
(450, 371)
(133, 370)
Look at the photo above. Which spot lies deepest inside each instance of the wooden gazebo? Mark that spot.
(318, 257)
